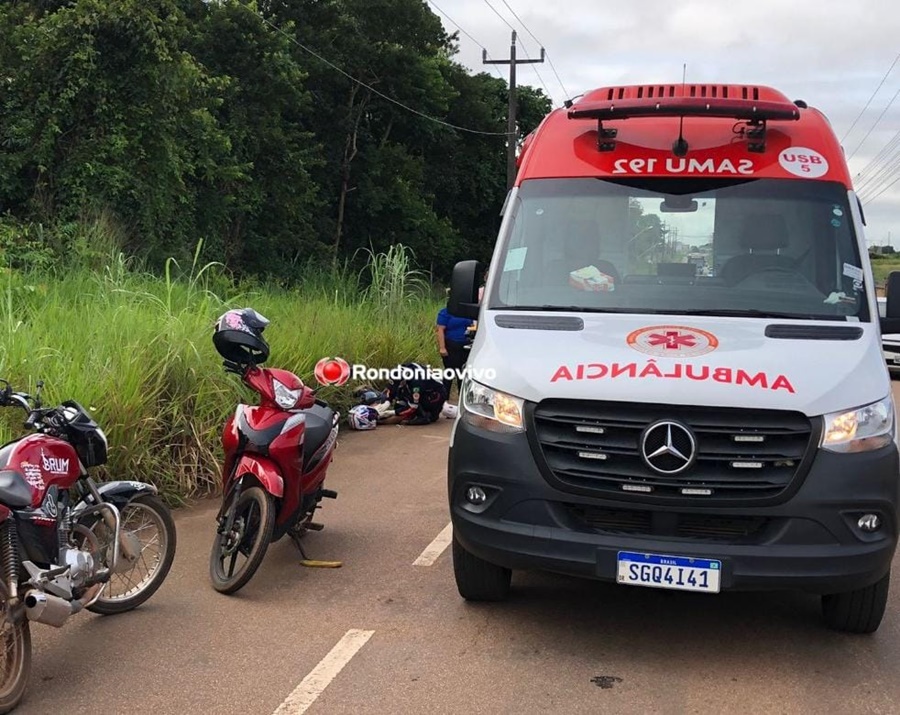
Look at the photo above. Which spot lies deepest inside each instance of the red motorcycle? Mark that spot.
(67, 543)
(276, 456)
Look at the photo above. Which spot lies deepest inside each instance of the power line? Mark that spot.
(540, 44)
(497, 13)
(540, 79)
(872, 198)
(463, 30)
(369, 87)
(885, 178)
(883, 79)
(524, 49)
(880, 116)
(886, 149)
(875, 168)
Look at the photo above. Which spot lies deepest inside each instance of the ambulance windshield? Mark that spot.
(743, 247)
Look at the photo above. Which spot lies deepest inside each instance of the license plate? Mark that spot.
(673, 572)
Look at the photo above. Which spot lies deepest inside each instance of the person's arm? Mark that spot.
(441, 339)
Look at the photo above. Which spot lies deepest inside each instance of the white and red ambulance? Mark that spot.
(655, 420)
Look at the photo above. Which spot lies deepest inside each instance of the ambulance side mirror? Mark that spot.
(467, 277)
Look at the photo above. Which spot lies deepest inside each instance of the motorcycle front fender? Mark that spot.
(264, 470)
(119, 494)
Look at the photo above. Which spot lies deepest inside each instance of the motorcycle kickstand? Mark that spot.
(312, 563)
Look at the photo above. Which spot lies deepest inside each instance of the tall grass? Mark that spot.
(136, 350)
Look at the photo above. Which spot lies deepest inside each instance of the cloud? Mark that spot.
(830, 53)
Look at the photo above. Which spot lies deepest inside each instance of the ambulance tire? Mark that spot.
(478, 580)
(858, 611)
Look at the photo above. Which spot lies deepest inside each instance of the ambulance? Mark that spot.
(630, 418)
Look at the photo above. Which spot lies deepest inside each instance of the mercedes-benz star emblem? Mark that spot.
(668, 447)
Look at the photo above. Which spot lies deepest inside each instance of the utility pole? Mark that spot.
(512, 139)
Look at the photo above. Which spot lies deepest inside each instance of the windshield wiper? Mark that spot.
(752, 313)
(572, 309)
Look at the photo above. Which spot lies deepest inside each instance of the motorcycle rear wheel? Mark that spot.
(252, 526)
(15, 657)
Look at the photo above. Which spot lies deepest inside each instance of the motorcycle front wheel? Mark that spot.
(147, 523)
(237, 553)
(15, 656)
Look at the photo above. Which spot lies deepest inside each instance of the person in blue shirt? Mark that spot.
(451, 337)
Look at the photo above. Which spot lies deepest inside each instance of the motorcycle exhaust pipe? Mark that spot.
(55, 611)
(46, 608)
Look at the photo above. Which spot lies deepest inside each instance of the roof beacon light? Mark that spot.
(620, 103)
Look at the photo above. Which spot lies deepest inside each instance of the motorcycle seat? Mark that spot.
(14, 490)
(319, 420)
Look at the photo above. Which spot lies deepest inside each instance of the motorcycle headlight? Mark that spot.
(491, 409)
(286, 399)
(867, 428)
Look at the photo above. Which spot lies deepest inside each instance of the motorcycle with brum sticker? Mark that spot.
(68, 544)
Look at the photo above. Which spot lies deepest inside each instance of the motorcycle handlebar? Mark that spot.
(10, 398)
(38, 417)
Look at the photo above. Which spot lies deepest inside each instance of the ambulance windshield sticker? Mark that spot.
(801, 161)
(515, 259)
(854, 273)
(673, 341)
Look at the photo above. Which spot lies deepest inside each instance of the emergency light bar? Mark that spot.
(748, 109)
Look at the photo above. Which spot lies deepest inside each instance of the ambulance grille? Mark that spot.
(702, 527)
(594, 448)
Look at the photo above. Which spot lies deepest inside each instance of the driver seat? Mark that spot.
(763, 236)
(580, 248)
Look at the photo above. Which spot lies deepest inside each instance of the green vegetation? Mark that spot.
(883, 265)
(161, 160)
(136, 350)
(214, 120)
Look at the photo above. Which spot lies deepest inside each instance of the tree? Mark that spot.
(104, 109)
(276, 130)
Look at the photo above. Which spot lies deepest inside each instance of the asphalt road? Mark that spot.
(559, 645)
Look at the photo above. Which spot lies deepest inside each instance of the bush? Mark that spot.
(136, 351)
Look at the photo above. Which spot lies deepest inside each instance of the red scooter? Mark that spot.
(276, 456)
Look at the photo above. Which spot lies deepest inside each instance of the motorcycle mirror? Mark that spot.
(37, 395)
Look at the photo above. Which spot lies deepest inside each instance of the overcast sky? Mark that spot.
(830, 53)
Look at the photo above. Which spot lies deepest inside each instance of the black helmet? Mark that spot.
(370, 397)
(238, 337)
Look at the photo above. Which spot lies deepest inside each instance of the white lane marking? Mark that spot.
(312, 685)
(435, 548)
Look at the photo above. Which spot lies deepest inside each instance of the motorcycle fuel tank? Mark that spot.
(43, 461)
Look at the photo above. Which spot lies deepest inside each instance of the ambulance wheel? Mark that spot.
(478, 580)
(858, 611)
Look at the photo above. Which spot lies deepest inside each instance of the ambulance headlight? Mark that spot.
(861, 430)
(491, 409)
